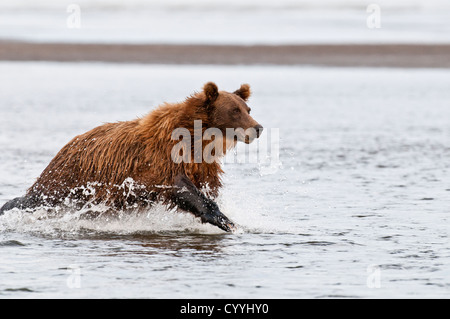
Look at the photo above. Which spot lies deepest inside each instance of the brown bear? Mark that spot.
(130, 165)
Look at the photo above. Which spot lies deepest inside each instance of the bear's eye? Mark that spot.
(237, 110)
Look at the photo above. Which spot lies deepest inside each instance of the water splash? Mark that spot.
(68, 222)
(248, 213)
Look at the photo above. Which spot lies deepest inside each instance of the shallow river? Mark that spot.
(356, 204)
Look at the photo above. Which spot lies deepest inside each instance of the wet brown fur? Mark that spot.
(95, 167)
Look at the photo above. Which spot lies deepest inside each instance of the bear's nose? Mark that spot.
(259, 129)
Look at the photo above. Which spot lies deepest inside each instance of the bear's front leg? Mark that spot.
(187, 197)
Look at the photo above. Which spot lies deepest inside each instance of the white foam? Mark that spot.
(68, 222)
(245, 212)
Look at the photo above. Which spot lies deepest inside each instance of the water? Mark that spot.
(225, 21)
(358, 208)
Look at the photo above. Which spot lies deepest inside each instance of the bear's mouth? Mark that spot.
(248, 140)
(247, 136)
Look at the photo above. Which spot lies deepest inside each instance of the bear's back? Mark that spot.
(101, 159)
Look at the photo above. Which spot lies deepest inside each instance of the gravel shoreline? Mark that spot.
(358, 55)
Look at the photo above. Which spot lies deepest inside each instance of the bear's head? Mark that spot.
(230, 113)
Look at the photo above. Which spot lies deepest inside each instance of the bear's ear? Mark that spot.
(211, 92)
(244, 92)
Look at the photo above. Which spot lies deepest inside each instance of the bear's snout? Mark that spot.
(259, 129)
(251, 133)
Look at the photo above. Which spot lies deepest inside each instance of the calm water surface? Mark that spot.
(357, 207)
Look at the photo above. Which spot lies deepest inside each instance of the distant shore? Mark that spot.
(351, 55)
